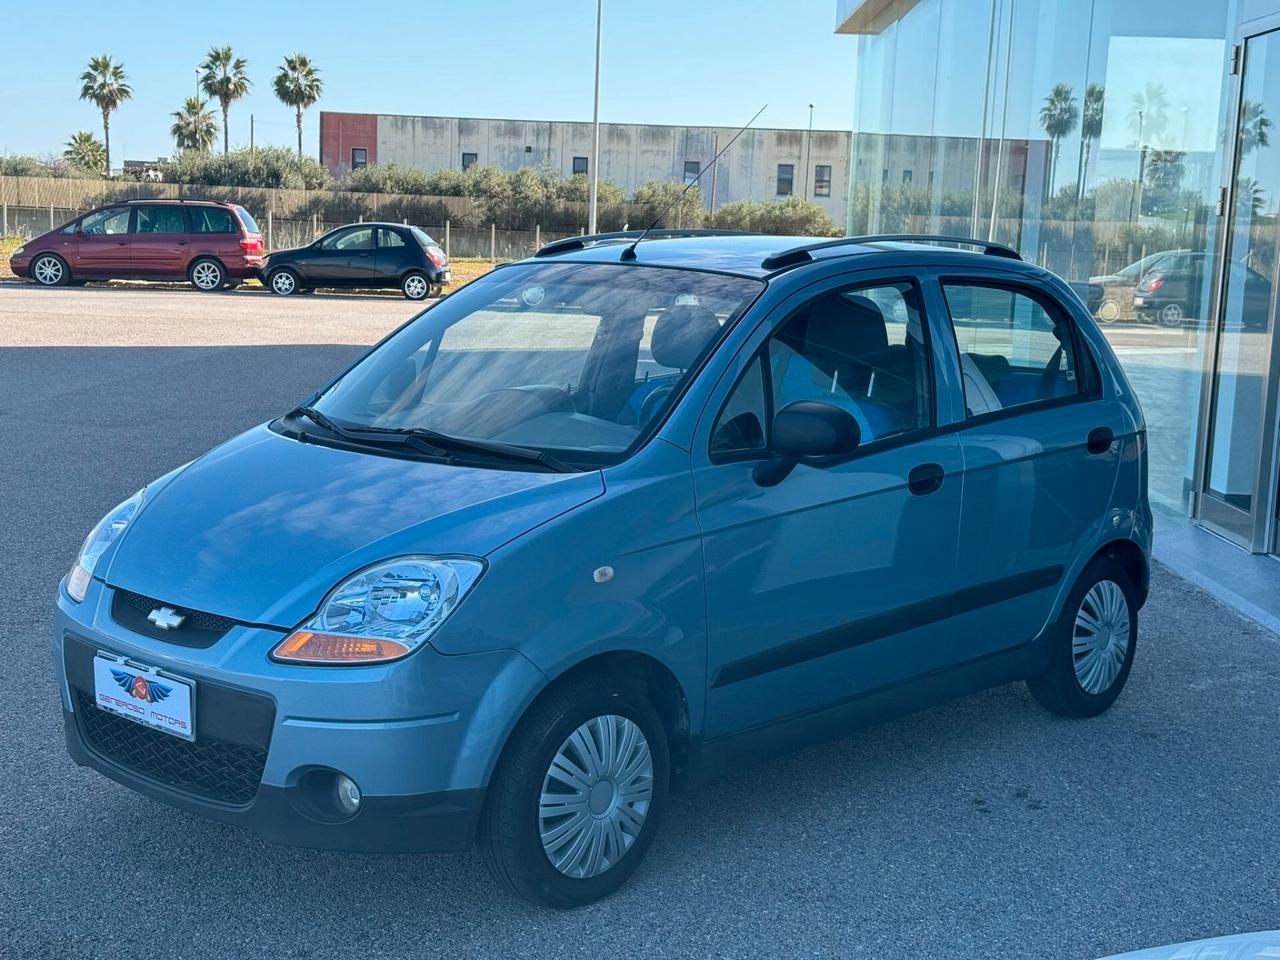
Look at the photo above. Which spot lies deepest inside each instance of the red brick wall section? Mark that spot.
(339, 132)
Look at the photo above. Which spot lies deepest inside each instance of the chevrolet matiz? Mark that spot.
(608, 521)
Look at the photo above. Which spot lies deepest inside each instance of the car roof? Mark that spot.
(184, 201)
(746, 254)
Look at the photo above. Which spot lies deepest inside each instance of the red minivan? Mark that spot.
(213, 245)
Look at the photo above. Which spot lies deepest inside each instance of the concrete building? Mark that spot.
(763, 164)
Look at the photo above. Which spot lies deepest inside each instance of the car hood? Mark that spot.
(261, 528)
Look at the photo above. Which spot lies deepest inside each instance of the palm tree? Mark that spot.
(224, 79)
(105, 84)
(298, 85)
(1149, 114)
(194, 127)
(1255, 126)
(1091, 122)
(85, 150)
(1250, 193)
(1059, 117)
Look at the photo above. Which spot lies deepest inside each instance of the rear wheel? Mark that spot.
(415, 286)
(50, 270)
(576, 799)
(1170, 315)
(207, 275)
(1093, 643)
(284, 282)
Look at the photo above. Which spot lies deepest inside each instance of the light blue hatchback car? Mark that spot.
(608, 520)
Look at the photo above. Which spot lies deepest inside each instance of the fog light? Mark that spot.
(346, 794)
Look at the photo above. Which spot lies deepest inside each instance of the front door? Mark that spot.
(102, 246)
(345, 258)
(1237, 496)
(160, 240)
(835, 581)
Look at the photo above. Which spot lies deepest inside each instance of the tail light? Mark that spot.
(436, 256)
(252, 244)
(1151, 284)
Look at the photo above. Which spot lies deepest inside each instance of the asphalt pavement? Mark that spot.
(985, 828)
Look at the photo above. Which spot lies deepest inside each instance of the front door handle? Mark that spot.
(1100, 440)
(925, 478)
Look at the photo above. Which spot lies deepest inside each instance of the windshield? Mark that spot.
(573, 359)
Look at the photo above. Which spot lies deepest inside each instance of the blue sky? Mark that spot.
(664, 61)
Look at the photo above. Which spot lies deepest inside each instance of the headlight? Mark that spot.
(383, 612)
(95, 545)
(18, 252)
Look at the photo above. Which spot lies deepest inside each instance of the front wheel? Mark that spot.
(284, 282)
(50, 270)
(208, 275)
(576, 799)
(415, 286)
(1093, 643)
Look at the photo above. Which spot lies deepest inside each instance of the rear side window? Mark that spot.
(1016, 347)
(246, 218)
(212, 220)
(389, 238)
(161, 219)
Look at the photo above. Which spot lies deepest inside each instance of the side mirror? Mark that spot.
(806, 428)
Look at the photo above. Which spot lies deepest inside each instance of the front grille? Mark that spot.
(198, 629)
(208, 767)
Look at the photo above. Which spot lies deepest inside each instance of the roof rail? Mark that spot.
(794, 255)
(618, 236)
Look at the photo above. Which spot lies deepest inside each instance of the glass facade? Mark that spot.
(1089, 135)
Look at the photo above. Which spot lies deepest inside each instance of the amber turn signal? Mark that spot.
(302, 646)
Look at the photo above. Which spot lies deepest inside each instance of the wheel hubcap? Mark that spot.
(207, 276)
(596, 796)
(415, 287)
(48, 270)
(1100, 641)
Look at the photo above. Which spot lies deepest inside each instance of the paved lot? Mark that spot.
(985, 828)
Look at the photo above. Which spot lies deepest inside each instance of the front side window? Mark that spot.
(161, 219)
(864, 350)
(1015, 347)
(212, 220)
(822, 180)
(468, 160)
(110, 221)
(786, 178)
(361, 238)
(579, 166)
(575, 359)
(359, 158)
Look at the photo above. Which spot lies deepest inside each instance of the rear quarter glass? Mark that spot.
(246, 218)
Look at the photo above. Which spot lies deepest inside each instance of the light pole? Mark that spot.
(198, 83)
(808, 137)
(595, 130)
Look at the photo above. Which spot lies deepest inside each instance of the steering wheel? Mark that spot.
(651, 403)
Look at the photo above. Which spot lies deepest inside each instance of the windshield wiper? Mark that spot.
(506, 451)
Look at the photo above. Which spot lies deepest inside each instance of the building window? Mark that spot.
(884, 175)
(579, 166)
(691, 170)
(822, 180)
(786, 177)
(468, 160)
(359, 158)
(906, 176)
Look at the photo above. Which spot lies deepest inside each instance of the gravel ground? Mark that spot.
(985, 828)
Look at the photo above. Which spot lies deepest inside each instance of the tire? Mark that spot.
(516, 818)
(1075, 685)
(207, 275)
(415, 285)
(283, 282)
(1108, 311)
(50, 270)
(1170, 315)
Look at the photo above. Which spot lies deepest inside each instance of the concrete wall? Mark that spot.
(630, 154)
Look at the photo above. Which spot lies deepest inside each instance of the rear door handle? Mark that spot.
(1100, 440)
(925, 478)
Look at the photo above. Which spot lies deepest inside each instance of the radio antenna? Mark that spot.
(630, 252)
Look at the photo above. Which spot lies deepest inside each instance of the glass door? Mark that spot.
(1238, 492)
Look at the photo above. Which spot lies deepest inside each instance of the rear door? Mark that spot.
(1041, 451)
(102, 247)
(837, 580)
(160, 240)
(395, 255)
(215, 232)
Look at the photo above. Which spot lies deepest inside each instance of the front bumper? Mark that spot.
(419, 737)
(21, 266)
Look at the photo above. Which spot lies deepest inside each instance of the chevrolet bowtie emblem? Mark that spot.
(166, 618)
